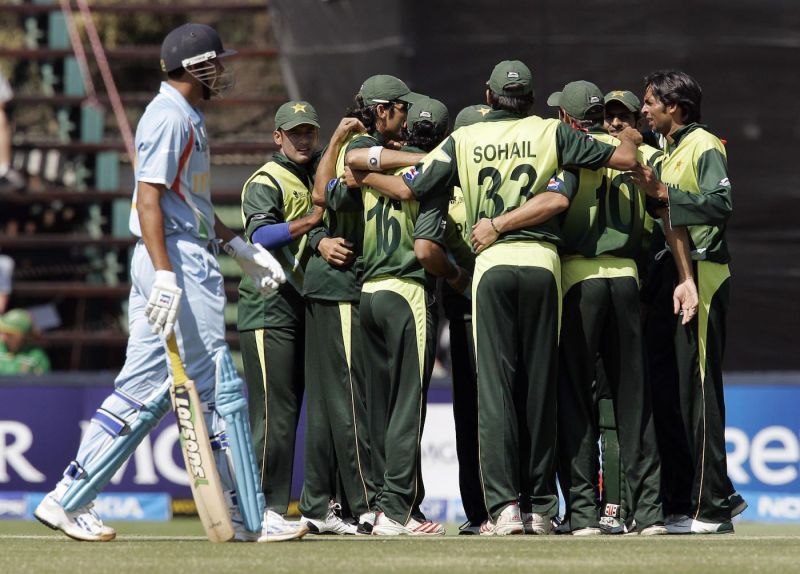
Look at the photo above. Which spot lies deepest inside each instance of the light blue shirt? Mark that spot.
(172, 150)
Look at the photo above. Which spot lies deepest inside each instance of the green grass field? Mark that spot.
(179, 547)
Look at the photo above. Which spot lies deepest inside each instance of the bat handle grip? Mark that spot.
(179, 376)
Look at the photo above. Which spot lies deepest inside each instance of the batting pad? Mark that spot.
(232, 407)
(99, 471)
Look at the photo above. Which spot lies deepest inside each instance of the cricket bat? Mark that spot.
(197, 454)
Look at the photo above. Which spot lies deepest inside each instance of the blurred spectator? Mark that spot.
(17, 355)
(6, 273)
(10, 179)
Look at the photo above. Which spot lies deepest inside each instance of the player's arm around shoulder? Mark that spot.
(326, 168)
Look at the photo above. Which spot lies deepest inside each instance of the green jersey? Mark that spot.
(278, 192)
(390, 228)
(695, 171)
(607, 213)
(457, 232)
(29, 360)
(502, 162)
(342, 219)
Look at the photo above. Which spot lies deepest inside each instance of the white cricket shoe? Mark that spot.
(331, 524)
(587, 531)
(240, 533)
(678, 524)
(654, 530)
(611, 525)
(385, 526)
(469, 529)
(700, 527)
(509, 522)
(535, 523)
(83, 524)
(275, 528)
(366, 522)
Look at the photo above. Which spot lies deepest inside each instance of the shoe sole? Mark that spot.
(47, 523)
(285, 537)
(739, 508)
(724, 530)
(391, 531)
(314, 530)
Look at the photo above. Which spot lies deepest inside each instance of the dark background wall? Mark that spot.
(744, 53)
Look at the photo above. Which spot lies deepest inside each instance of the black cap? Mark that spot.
(191, 44)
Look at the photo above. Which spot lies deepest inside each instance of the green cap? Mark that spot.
(577, 99)
(471, 115)
(16, 321)
(626, 98)
(511, 78)
(382, 89)
(431, 110)
(295, 113)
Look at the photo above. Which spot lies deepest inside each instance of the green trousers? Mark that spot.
(601, 316)
(515, 314)
(688, 400)
(458, 310)
(398, 354)
(337, 452)
(274, 371)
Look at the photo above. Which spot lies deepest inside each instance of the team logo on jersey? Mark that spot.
(410, 175)
(725, 182)
(332, 183)
(555, 184)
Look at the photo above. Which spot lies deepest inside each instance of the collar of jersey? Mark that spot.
(501, 115)
(684, 131)
(302, 172)
(180, 101)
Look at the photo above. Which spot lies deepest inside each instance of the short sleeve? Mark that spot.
(579, 149)
(436, 173)
(160, 149)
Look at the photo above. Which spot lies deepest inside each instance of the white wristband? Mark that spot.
(165, 277)
(374, 161)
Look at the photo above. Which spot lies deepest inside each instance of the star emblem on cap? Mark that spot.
(483, 111)
(299, 108)
(617, 93)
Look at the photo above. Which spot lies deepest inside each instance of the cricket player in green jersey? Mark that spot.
(622, 110)
(500, 164)
(277, 213)
(399, 323)
(695, 189)
(338, 425)
(602, 231)
(458, 310)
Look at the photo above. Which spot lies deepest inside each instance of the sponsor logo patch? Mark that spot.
(554, 184)
(410, 175)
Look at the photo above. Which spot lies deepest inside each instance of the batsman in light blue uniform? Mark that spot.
(176, 287)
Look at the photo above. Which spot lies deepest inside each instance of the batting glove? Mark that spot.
(258, 263)
(162, 307)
